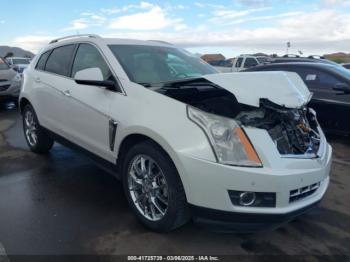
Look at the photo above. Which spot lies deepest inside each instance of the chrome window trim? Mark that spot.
(122, 90)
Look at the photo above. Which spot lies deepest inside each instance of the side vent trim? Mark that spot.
(113, 125)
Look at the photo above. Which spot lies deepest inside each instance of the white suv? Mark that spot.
(239, 151)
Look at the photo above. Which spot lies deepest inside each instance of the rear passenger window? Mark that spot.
(42, 61)
(89, 57)
(60, 59)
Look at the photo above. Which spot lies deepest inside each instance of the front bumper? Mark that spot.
(222, 221)
(209, 183)
(11, 93)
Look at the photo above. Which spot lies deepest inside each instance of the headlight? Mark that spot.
(17, 78)
(230, 144)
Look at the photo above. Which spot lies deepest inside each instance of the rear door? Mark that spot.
(51, 80)
(332, 106)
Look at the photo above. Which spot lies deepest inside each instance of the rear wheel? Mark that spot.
(153, 188)
(37, 138)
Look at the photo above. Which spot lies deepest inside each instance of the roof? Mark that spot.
(101, 41)
(293, 64)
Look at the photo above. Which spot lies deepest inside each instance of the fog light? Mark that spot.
(247, 198)
(252, 199)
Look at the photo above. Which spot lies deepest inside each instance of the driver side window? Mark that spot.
(87, 57)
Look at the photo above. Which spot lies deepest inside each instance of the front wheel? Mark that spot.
(153, 188)
(37, 138)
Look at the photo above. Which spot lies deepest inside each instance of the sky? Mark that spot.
(230, 27)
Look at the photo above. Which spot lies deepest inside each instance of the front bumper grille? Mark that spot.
(4, 87)
(301, 193)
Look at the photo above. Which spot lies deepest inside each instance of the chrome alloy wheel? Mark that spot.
(148, 187)
(30, 128)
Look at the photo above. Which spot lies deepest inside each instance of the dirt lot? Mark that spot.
(63, 204)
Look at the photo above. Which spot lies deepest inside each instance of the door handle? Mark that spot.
(38, 80)
(66, 93)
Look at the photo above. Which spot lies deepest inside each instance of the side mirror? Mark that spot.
(94, 77)
(342, 87)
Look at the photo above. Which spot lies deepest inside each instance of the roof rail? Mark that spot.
(74, 36)
(161, 42)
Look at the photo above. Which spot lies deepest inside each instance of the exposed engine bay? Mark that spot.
(294, 131)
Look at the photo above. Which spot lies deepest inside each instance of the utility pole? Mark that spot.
(288, 46)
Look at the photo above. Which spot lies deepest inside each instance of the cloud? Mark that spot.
(321, 31)
(254, 2)
(2, 22)
(155, 18)
(87, 20)
(334, 3)
(116, 10)
(142, 16)
(266, 17)
(224, 16)
(308, 33)
(208, 5)
(32, 42)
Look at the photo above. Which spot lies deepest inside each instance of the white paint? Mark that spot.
(83, 118)
(282, 88)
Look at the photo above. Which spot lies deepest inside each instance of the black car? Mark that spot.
(301, 59)
(331, 88)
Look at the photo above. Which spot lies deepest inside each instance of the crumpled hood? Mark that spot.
(283, 88)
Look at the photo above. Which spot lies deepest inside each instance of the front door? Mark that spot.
(89, 106)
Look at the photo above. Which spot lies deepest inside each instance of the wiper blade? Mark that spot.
(145, 84)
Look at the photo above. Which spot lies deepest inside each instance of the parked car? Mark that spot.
(243, 62)
(221, 63)
(19, 64)
(330, 86)
(240, 151)
(346, 65)
(310, 59)
(10, 83)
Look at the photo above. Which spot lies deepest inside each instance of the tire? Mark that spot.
(165, 178)
(37, 138)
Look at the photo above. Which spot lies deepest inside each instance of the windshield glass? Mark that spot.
(20, 61)
(3, 65)
(341, 71)
(157, 64)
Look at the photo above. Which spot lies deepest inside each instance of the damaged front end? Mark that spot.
(294, 131)
(273, 101)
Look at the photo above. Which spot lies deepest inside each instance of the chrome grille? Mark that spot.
(301, 193)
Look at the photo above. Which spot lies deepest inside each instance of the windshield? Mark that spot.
(157, 64)
(3, 65)
(341, 71)
(20, 61)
